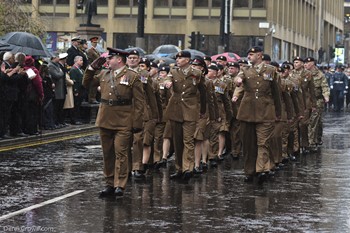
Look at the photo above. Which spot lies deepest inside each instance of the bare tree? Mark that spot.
(17, 16)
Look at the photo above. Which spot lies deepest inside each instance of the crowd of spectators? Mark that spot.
(40, 94)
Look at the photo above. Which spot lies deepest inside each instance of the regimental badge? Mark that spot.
(305, 80)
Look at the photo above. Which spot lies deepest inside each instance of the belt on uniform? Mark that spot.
(117, 102)
(339, 82)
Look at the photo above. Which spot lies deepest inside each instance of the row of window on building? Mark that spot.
(168, 3)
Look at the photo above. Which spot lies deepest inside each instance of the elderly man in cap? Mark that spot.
(259, 109)
(183, 111)
(322, 92)
(119, 116)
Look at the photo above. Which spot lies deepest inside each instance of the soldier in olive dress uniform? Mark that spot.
(119, 116)
(183, 111)
(259, 109)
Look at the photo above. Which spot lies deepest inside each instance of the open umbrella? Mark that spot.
(164, 50)
(26, 43)
(195, 53)
(231, 57)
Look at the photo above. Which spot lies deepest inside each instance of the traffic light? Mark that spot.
(202, 38)
(331, 52)
(260, 42)
(192, 40)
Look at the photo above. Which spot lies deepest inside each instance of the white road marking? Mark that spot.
(40, 205)
(93, 147)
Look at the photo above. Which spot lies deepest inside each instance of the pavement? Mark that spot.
(68, 132)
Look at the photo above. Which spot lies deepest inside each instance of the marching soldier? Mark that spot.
(259, 109)
(162, 134)
(119, 116)
(236, 144)
(308, 92)
(183, 111)
(322, 96)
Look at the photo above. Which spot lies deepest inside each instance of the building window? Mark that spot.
(126, 2)
(201, 3)
(161, 3)
(103, 2)
(58, 2)
(179, 3)
(258, 4)
(216, 3)
(240, 3)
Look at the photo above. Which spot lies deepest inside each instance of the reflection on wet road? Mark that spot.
(310, 195)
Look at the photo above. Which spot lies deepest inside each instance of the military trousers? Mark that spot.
(276, 144)
(183, 144)
(236, 144)
(303, 126)
(256, 146)
(315, 127)
(158, 141)
(115, 146)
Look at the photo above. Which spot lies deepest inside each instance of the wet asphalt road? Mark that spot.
(310, 195)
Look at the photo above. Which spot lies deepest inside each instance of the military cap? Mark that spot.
(280, 69)
(153, 64)
(266, 57)
(116, 52)
(286, 66)
(183, 54)
(76, 38)
(94, 39)
(275, 64)
(134, 52)
(83, 41)
(220, 67)
(207, 58)
(290, 64)
(242, 61)
(255, 49)
(164, 68)
(221, 58)
(309, 59)
(199, 61)
(298, 59)
(213, 66)
(234, 64)
(145, 61)
(339, 67)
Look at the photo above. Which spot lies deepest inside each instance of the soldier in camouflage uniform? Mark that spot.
(308, 95)
(322, 95)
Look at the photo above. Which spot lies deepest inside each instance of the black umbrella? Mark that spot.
(26, 43)
(195, 53)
